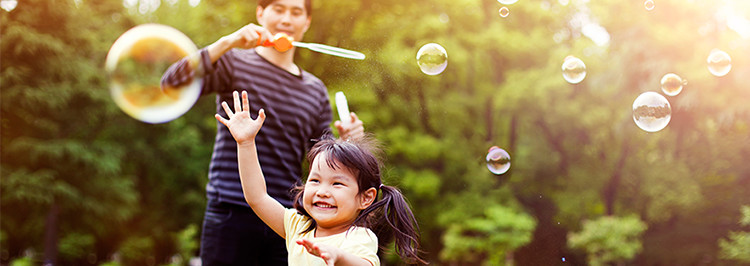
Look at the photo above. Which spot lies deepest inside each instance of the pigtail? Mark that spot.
(395, 221)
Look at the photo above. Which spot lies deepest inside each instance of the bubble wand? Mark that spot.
(282, 43)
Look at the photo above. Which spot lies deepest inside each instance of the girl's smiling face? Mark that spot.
(331, 196)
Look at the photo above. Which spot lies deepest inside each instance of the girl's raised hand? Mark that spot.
(327, 253)
(240, 124)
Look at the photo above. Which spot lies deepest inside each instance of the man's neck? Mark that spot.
(283, 60)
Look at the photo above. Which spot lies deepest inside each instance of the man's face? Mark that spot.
(287, 16)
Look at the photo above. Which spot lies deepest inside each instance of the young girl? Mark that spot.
(338, 204)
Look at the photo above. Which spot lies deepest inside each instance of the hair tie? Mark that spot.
(381, 186)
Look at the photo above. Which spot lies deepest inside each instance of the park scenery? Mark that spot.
(522, 132)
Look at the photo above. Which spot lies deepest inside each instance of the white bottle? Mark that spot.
(343, 108)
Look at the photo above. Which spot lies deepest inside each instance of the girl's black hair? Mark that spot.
(390, 217)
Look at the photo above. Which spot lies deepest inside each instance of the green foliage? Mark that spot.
(487, 238)
(25, 261)
(737, 247)
(609, 239)
(187, 243)
(137, 251)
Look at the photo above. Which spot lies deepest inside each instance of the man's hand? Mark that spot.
(247, 37)
(354, 130)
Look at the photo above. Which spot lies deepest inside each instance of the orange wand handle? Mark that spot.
(281, 42)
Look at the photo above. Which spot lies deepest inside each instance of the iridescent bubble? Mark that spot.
(719, 63)
(651, 111)
(504, 12)
(507, 2)
(649, 4)
(135, 64)
(671, 84)
(432, 59)
(498, 160)
(573, 69)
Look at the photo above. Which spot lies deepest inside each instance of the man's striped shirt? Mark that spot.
(297, 112)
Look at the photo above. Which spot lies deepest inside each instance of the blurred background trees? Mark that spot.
(83, 183)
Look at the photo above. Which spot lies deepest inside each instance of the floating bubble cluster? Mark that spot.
(135, 64)
(432, 59)
(498, 160)
(671, 84)
(651, 111)
(719, 63)
(573, 70)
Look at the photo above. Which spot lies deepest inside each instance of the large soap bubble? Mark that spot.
(498, 160)
(432, 59)
(135, 64)
(573, 69)
(651, 111)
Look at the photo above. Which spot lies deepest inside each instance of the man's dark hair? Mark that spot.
(308, 5)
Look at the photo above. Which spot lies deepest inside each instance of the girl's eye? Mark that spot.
(338, 184)
(313, 181)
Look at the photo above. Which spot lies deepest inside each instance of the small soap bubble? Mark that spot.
(719, 63)
(649, 4)
(563, 259)
(671, 84)
(507, 2)
(8, 5)
(444, 18)
(651, 111)
(498, 160)
(432, 59)
(135, 64)
(573, 70)
(504, 12)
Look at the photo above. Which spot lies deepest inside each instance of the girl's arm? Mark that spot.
(332, 255)
(244, 129)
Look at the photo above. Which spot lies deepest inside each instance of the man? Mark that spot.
(298, 111)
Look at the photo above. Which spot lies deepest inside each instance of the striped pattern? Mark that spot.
(297, 110)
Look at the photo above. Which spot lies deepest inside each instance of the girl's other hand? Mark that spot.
(327, 253)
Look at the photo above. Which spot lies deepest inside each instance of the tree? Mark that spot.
(609, 239)
(737, 246)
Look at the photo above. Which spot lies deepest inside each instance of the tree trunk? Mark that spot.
(610, 191)
(50, 235)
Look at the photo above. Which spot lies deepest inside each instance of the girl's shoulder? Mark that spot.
(361, 234)
(295, 221)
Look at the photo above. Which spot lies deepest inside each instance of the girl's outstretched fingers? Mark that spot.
(319, 251)
(221, 119)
